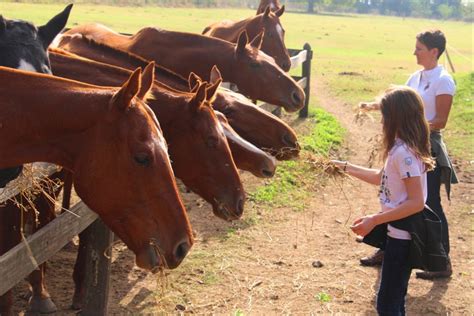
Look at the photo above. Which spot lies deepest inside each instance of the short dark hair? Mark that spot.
(433, 39)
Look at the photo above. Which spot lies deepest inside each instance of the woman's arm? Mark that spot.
(372, 176)
(443, 107)
(414, 203)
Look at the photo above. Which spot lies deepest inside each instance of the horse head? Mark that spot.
(273, 43)
(124, 173)
(212, 172)
(24, 46)
(256, 66)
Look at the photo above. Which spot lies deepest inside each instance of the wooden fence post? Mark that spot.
(98, 239)
(306, 73)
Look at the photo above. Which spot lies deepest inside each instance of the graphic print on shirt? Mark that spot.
(384, 191)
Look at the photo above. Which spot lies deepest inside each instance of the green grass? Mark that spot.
(459, 130)
(289, 186)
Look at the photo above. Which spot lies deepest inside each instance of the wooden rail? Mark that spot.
(24, 258)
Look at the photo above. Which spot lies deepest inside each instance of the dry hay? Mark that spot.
(326, 166)
(33, 181)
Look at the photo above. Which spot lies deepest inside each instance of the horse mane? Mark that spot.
(134, 59)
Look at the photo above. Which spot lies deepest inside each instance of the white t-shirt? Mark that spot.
(429, 84)
(401, 163)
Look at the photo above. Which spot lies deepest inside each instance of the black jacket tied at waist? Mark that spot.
(426, 250)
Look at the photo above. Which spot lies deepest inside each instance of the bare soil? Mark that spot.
(282, 261)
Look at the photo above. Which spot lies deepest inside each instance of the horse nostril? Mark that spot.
(295, 97)
(268, 173)
(289, 141)
(181, 250)
(285, 66)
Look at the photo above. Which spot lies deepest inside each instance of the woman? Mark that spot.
(402, 194)
(436, 87)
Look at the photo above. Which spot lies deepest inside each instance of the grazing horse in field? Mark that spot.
(111, 141)
(273, 4)
(266, 24)
(255, 125)
(24, 46)
(254, 72)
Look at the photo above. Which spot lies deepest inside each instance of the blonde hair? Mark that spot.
(404, 118)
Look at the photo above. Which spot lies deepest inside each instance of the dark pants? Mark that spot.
(434, 202)
(395, 276)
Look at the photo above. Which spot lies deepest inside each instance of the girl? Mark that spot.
(403, 189)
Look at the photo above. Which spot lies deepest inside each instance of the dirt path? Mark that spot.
(268, 262)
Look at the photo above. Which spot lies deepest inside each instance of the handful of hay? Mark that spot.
(325, 165)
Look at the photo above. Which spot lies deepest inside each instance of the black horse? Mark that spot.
(25, 46)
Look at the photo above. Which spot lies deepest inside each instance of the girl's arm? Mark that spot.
(412, 205)
(443, 107)
(372, 176)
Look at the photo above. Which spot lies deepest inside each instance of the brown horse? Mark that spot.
(273, 4)
(113, 145)
(266, 24)
(246, 155)
(254, 72)
(190, 128)
(278, 139)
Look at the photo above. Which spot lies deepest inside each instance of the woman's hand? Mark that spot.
(340, 164)
(364, 225)
(368, 106)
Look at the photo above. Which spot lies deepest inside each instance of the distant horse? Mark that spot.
(273, 4)
(257, 126)
(254, 72)
(112, 143)
(267, 25)
(24, 46)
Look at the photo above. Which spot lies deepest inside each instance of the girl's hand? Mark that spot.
(363, 225)
(340, 164)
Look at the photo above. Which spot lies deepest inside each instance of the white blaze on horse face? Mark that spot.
(279, 31)
(24, 65)
(231, 137)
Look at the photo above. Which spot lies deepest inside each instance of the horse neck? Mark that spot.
(46, 120)
(121, 58)
(174, 50)
(87, 71)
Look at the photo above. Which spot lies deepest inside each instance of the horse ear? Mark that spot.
(215, 75)
(242, 42)
(48, 32)
(280, 11)
(148, 77)
(129, 90)
(193, 82)
(3, 25)
(267, 11)
(258, 40)
(212, 89)
(199, 97)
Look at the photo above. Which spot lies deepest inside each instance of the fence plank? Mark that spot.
(25, 257)
(297, 60)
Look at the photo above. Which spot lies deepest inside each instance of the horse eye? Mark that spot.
(254, 64)
(142, 159)
(212, 142)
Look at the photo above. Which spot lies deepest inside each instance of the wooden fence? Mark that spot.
(25, 257)
(299, 57)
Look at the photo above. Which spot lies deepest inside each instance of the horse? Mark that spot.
(255, 125)
(273, 4)
(254, 72)
(190, 128)
(113, 145)
(266, 24)
(24, 46)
